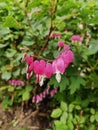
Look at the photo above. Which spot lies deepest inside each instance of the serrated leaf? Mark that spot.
(64, 106)
(53, 82)
(56, 113)
(10, 52)
(63, 84)
(11, 22)
(75, 83)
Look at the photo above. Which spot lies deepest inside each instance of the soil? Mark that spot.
(24, 117)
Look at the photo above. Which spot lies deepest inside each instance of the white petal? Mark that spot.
(58, 77)
(41, 80)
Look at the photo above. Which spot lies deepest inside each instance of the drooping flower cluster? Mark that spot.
(16, 82)
(39, 97)
(44, 69)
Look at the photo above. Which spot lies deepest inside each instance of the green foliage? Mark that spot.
(56, 113)
(75, 83)
(72, 117)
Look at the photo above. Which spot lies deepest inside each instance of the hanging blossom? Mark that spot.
(43, 69)
(39, 97)
(61, 63)
(16, 82)
(76, 38)
(39, 69)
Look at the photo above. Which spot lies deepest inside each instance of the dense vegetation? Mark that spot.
(42, 30)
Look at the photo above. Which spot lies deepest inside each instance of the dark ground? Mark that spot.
(25, 119)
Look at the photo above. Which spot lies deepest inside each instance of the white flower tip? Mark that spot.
(58, 77)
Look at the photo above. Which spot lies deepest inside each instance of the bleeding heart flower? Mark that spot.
(39, 69)
(67, 57)
(58, 68)
(48, 70)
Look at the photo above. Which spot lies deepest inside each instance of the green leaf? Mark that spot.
(64, 117)
(93, 47)
(10, 52)
(7, 102)
(28, 88)
(82, 120)
(26, 96)
(70, 116)
(15, 122)
(75, 83)
(91, 127)
(92, 110)
(71, 107)
(3, 45)
(56, 113)
(11, 22)
(96, 116)
(6, 75)
(70, 125)
(22, 128)
(2, 88)
(63, 84)
(77, 107)
(11, 88)
(64, 106)
(60, 126)
(17, 72)
(53, 81)
(92, 118)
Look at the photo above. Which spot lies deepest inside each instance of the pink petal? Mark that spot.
(60, 65)
(41, 67)
(36, 66)
(60, 44)
(31, 67)
(29, 60)
(48, 70)
(54, 67)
